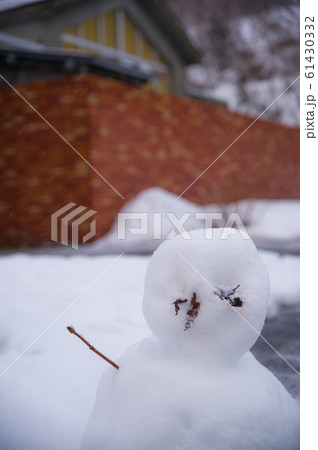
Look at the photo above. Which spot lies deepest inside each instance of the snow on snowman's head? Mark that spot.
(207, 295)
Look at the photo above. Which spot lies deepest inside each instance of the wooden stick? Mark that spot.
(72, 331)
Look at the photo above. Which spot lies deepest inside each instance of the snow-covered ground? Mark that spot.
(46, 397)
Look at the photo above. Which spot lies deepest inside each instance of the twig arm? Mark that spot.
(72, 331)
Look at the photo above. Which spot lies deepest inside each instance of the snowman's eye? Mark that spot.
(229, 296)
(192, 312)
(176, 304)
(237, 302)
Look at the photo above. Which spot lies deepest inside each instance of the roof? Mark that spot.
(164, 19)
(12, 4)
(69, 62)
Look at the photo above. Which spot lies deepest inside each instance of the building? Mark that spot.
(132, 122)
(133, 35)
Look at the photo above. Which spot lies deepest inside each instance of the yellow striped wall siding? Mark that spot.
(115, 30)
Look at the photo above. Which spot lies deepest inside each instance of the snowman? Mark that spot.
(194, 384)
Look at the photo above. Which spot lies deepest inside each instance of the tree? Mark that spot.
(250, 52)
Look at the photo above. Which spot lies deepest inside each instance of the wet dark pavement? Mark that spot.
(283, 334)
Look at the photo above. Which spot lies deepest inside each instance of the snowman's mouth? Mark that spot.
(192, 312)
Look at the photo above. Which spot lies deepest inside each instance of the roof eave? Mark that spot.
(15, 55)
(164, 18)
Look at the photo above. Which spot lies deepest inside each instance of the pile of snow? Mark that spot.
(205, 301)
(276, 225)
(272, 224)
(147, 203)
(284, 272)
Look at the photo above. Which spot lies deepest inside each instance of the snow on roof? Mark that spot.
(20, 43)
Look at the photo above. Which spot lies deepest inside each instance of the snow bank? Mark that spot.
(149, 201)
(276, 225)
(272, 224)
(284, 272)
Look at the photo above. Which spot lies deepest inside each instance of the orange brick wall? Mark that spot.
(39, 172)
(136, 139)
(141, 139)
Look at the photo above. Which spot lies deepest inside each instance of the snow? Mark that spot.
(47, 396)
(223, 265)
(272, 224)
(258, 62)
(265, 91)
(174, 416)
(183, 387)
(148, 202)
(21, 43)
(284, 273)
(276, 224)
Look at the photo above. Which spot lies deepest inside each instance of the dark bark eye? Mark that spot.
(176, 304)
(193, 311)
(228, 296)
(237, 302)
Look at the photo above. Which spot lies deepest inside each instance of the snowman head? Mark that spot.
(206, 295)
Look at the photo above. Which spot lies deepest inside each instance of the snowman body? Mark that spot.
(194, 384)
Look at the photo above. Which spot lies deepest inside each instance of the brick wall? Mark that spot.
(39, 172)
(136, 139)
